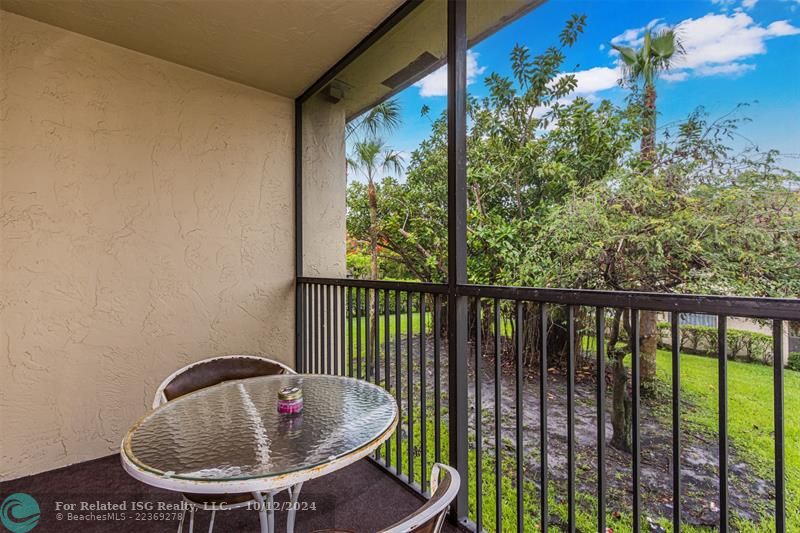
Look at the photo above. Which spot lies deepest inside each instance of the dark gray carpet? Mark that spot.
(360, 497)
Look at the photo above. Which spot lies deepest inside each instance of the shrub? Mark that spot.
(693, 339)
(699, 339)
(794, 361)
(750, 345)
(742, 344)
(663, 334)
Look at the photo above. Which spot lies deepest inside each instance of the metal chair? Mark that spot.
(204, 374)
(430, 517)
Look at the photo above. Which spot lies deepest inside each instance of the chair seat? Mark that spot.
(218, 499)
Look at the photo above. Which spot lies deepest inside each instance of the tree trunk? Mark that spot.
(373, 230)
(621, 413)
(621, 403)
(557, 336)
(648, 143)
(648, 322)
(373, 260)
(648, 343)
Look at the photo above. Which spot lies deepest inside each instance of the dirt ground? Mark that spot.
(749, 495)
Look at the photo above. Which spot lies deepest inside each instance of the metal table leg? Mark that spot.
(290, 518)
(263, 517)
(271, 512)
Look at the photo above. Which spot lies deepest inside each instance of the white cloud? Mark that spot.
(746, 4)
(782, 28)
(628, 37)
(728, 69)
(675, 75)
(719, 38)
(435, 83)
(792, 4)
(589, 83)
(595, 80)
(635, 36)
(717, 43)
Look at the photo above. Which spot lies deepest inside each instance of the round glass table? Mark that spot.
(230, 438)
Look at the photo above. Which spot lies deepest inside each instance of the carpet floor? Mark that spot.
(360, 498)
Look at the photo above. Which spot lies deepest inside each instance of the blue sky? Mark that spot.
(737, 51)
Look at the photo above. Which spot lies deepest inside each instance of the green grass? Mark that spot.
(750, 426)
(415, 325)
(750, 418)
(353, 326)
(586, 508)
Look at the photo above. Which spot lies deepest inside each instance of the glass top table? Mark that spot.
(230, 438)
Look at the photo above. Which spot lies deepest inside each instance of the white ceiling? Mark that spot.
(281, 46)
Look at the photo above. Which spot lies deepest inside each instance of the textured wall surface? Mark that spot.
(324, 189)
(146, 222)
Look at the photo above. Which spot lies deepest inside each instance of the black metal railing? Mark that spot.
(361, 329)
(391, 333)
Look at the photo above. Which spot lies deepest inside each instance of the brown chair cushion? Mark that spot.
(229, 499)
(216, 371)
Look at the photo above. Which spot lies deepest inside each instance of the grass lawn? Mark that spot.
(750, 418)
(355, 323)
(750, 424)
(415, 326)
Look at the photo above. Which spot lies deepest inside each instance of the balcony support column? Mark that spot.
(299, 311)
(457, 245)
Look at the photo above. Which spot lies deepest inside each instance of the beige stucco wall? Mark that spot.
(146, 222)
(324, 188)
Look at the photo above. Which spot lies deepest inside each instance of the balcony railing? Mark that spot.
(391, 333)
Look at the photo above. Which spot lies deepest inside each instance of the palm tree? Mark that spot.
(370, 157)
(383, 117)
(370, 154)
(657, 54)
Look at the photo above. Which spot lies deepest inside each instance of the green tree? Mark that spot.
(383, 118)
(361, 133)
(657, 54)
(410, 239)
(558, 196)
(731, 227)
(368, 158)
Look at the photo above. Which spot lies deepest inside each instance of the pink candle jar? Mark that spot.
(290, 400)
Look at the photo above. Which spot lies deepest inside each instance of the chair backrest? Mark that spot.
(215, 370)
(430, 517)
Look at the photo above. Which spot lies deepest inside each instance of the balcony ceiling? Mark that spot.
(281, 46)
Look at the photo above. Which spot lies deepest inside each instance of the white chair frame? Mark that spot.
(160, 399)
(437, 509)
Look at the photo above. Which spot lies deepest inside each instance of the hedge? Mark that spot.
(742, 344)
(794, 361)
